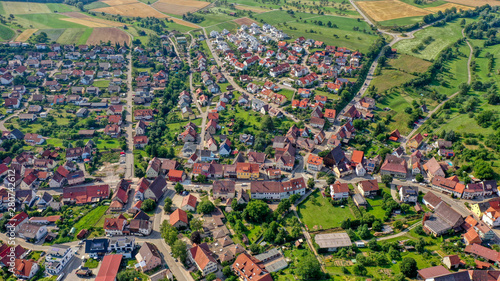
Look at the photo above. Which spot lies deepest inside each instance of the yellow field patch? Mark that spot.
(389, 10)
(476, 3)
(81, 16)
(188, 3)
(443, 7)
(132, 10)
(85, 22)
(19, 8)
(183, 22)
(119, 2)
(26, 35)
(179, 7)
(248, 8)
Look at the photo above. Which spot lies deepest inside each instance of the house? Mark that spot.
(247, 267)
(140, 141)
(433, 168)
(448, 186)
(148, 257)
(480, 251)
(277, 190)
(25, 269)
(394, 166)
(492, 216)
(202, 257)
(122, 245)
(368, 188)
(224, 189)
(452, 261)
(339, 191)
(415, 141)
(189, 203)
(115, 226)
(156, 189)
(249, 171)
(109, 267)
(332, 241)
(176, 175)
(431, 272)
(58, 256)
(32, 232)
(408, 194)
(431, 200)
(314, 162)
(442, 220)
(85, 194)
(18, 220)
(472, 237)
(178, 218)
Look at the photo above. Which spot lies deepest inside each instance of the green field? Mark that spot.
(400, 21)
(397, 103)
(90, 219)
(18, 8)
(85, 36)
(53, 34)
(318, 213)
(215, 17)
(71, 36)
(443, 36)
(426, 4)
(390, 78)
(60, 8)
(96, 5)
(230, 26)
(6, 33)
(409, 64)
(46, 21)
(455, 74)
(101, 83)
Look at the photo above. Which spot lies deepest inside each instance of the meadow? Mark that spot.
(6, 33)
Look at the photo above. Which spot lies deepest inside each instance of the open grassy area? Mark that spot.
(101, 83)
(71, 36)
(409, 64)
(215, 17)
(318, 213)
(53, 34)
(96, 5)
(85, 36)
(230, 26)
(46, 21)
(60, 8)
(6, 33)
(390, 78)
(91, 263)
(17, 8)
(108, 144)
(455, 74)
(400, 21)
(397, 102)
(90, 219)
(443, 36)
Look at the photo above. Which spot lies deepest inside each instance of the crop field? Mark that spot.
(85, 36)
(96, 5)
(179, 7)
(388, 10)
(214, 17)
(70, 36)
(118, 2)
(106, 34)
(6, 33)
(443, 7)
(89, 21)
(86, 22)
(401, 21)
(442, 37)
(60, 8)
(276, 17)
(19, 8)
(409, 64)
(476, 3)
(231, 26)
(136, 9)
(25, 35)
(250, 8)
(244, 20)
(46, 21)
(53, 33)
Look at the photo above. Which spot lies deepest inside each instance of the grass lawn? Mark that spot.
(108, 144)
(101, 83)
(424, 5)
(230, 26)
(71, 36)
(287, 93)
(91, 263)
(46, 21)
(409, 64)
(90, 219)
(6, 33)
(443, 36)
(96, 5)
(214, 17)
(35, 255)
(397, 103)
(390, 78)
(455, 74)
(400, 21)
(375, 207)
(318, 213)
(53, 34)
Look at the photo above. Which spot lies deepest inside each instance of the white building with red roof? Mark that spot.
(202, 257)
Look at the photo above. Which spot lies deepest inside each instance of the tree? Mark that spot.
(169, 233)
(377, 225)
(148, 205)
(211, 277)
(267, 124)
(283, 206)
(419, 178)
(227, 271)
(363, 231)
(394, 254)
(196, 237)
(398, 224)
(330, 179)
(205, 207)
(405, 208)
(386, 179)
(179, 250)
(255, 248)
(408, 267)
(483, 170)
(167, 207)
(196, 224)
(179, 187)
(309, 268)
(310, 183)
(257, 211)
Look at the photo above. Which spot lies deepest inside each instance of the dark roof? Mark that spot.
(157, 186)
(432, 199)
(447, 213)
(96, 245)
(432, 272)
(457, 276)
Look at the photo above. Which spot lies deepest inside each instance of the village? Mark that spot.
(226, 156)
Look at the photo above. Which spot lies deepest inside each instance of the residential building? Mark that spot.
(148, 257)
(277, 190)
(368, 188)
(58, 256)
(339, 190)
(202, 257)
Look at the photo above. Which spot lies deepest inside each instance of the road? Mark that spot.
(129, 154)
(469, 79)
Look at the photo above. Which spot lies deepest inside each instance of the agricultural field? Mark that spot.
(443, 7)
(476, 3)
(441, 37)
(20, 8)
(25, 35)
(52, 34)
(6, 33)
(409, 64)
(60, 8)
(179, 7)
(96, 5)
(214, 17)
(88, 20)
(249, 8)
(400, 21)
(318, 213)
(380, 11)
(71, 35)
(105, 34)
(134, 9)
(46, 21)
(230, 25)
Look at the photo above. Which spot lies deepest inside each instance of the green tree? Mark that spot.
(408, 267)
(211, 277)
(179, 250)
(419, 178)
(148, 205)
(398, 224)
(257, 211)
(169, 233)
(179, 188)
(196, 237)
(196, 224)
(309, 268)
(167, 207)
(227, 271)
(387, 179)
(205, 207)
(310, 183)
(267, 124)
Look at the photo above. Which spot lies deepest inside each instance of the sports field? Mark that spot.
(390, 9)
(179, 7)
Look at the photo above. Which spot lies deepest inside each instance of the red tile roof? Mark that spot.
(189, 200)
(178, 215)
(109, 268)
